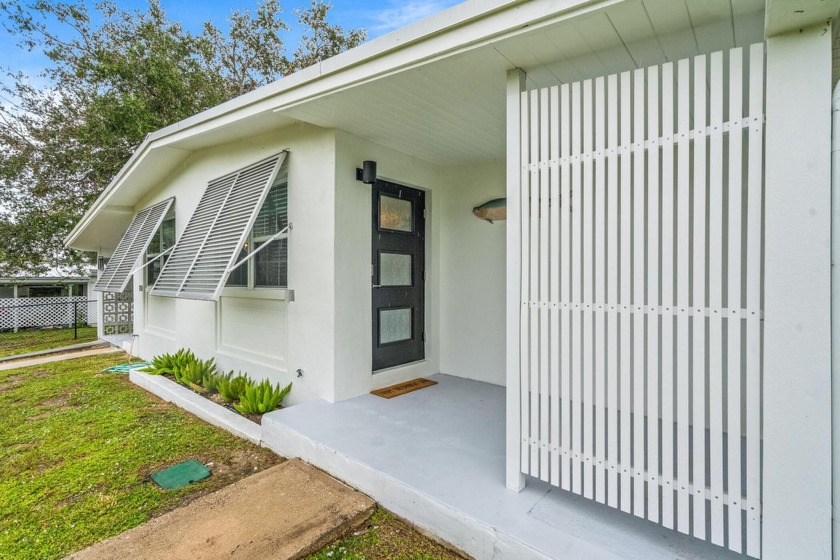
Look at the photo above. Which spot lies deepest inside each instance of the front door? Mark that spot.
(398, 275)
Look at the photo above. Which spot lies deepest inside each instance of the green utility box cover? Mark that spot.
(181, 475)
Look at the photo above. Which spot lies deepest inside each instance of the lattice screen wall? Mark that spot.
(641, 216)
(38, 312)
(118, 311)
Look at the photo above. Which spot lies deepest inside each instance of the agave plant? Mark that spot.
(170, 363)
(231, 388)
(195, 372)
(212, 382)
(261, 397)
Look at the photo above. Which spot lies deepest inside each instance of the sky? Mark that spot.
(377, 16)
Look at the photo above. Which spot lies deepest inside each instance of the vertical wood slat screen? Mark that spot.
(641, 228)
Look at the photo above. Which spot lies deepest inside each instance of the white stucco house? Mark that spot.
(636, 364)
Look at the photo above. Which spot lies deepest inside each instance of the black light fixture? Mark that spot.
(367, 173)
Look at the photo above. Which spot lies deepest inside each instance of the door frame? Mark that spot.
(417, 242)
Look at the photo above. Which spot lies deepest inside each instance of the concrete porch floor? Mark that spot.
(119, 340)
(436, 457)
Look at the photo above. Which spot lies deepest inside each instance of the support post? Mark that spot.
(796, 500)
(514, 479)
(15, 314)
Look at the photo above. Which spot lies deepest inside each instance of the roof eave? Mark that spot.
(439, 24)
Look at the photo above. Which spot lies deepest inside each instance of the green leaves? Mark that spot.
(246, 396)
(115, 76)
(171, 364)
(231, 388)
(196, 372)
(262, 397)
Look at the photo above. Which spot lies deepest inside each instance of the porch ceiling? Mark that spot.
(452, 110)
(447, 112)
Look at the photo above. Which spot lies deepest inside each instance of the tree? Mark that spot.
(115, 76)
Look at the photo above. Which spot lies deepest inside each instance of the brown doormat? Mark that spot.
(403, 388)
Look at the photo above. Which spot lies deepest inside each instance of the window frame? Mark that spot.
(250, 289)
(148, 282)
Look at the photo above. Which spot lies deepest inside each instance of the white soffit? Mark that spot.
(632, 34)
(784, 16)
(199, 264)
(133, 244)
(448, 112)
(451, 111)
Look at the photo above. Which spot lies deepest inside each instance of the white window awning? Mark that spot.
(202, 258)
(133, 244)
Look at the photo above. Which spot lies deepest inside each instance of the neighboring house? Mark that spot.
(13, 287)
(667, 167)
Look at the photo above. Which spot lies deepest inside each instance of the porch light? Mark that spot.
(367, 173)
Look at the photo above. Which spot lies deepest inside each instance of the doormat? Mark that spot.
(181, 475)
(403, 388)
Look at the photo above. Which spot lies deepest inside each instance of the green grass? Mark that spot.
(385, 538)
(21, 342)
(76, 449)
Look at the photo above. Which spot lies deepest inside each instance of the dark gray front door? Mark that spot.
(398, 275)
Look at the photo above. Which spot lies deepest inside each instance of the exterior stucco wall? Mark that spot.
(326, 330)
(465, 321)
(353, 331)
(472, 310)
(249, 330)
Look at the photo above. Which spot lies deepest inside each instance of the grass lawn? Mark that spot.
(76, 449)
(386, 538)
(21, 342)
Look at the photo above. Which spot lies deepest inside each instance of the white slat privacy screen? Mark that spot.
(199, 263)
(134, 243)
(641, 229)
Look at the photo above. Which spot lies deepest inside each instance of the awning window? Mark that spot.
(117, 272)
(201, 260)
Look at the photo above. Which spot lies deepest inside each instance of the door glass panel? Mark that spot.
(395, 213)
(394, 269)
(394, 325)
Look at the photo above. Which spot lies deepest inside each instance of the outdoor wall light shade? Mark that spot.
(367, 173)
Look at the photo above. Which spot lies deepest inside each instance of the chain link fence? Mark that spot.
(30, 327)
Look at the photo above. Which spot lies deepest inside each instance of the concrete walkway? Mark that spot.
(285, 512)
(57, 358)
(59, 350)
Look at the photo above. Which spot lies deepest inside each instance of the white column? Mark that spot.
(797, 346)
(514, 478)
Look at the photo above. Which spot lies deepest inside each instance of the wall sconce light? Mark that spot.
(367, 173)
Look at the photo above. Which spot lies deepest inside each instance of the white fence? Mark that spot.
(640, 332)
(41, 312)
